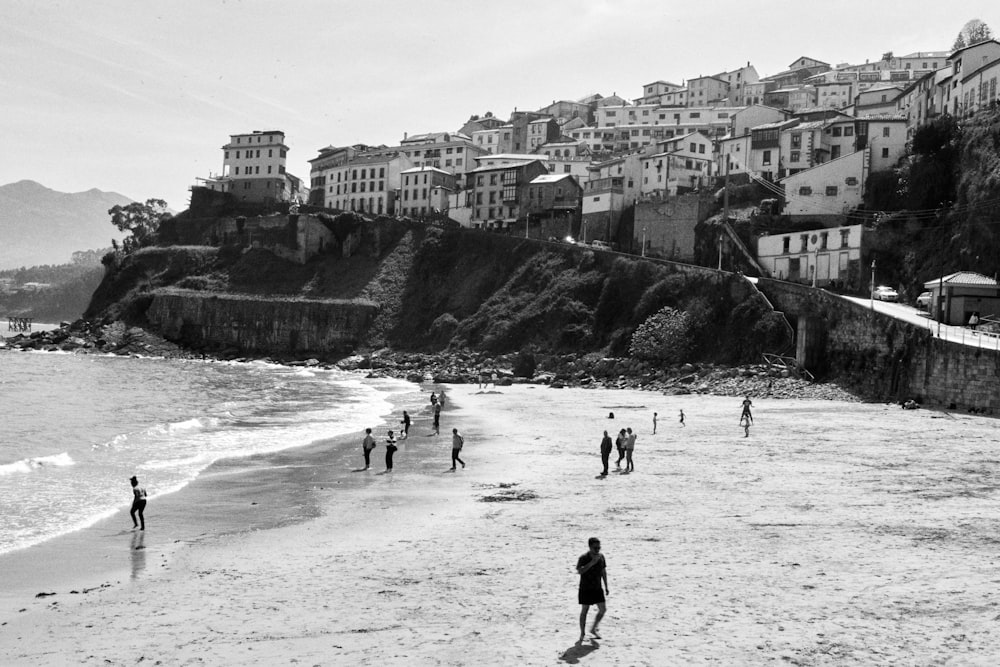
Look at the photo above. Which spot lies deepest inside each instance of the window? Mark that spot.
(767, 157)
(694, 147)
(695, 114)
(805, 190)
(885, 152)
(270, 152)
(237, 155)
(567, 168)
(796, 140)
(795, 156)
(269, 169)
(493, 196)
(479, 180)
(701, 148)
(831, 191)
(844, 234)
(837, 131)
(785, 243)
(509, 192)
(848, 131)
(851, 180)
(493, 179)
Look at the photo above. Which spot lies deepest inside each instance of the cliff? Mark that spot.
(414, 287)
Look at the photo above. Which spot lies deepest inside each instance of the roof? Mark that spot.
(965, 278)
(415, 170)
(886, 117)
(516, 165)
(549, 178)
(977, 72)
(957, 51)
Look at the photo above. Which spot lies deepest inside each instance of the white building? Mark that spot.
(817, 257)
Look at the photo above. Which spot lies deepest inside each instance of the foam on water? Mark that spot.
(66, 465)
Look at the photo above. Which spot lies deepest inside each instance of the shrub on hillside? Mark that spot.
(524, 364)
(443, 328)
(665, 337)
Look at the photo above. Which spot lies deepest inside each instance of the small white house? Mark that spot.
(817, 257)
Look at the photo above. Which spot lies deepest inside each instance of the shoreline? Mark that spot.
(238, 494)
(837, 531)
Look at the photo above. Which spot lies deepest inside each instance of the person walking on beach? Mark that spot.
(620, 446)
(390, 449)
(629, 448)
(434, 399)
(441, 400)
(605, 452)
(437, 419)
(406, 424)
(593, 571)
(367, 445)
(746, 414)
(682, 418)
(654, 423)
(745, 423)
(456, 447)
(138, 503)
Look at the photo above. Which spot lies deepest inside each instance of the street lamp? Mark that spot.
(643, 240)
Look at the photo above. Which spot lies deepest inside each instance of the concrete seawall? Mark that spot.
(260, 324)
(882, 356)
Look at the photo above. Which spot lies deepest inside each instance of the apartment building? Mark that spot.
(498, 192)
(367, 182)
(707, 91)
(453, 153)
(425, 190)
(654, 91)
(979, 87)
(818, 256)
(253, 168)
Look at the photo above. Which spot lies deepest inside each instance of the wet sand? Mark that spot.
(835, 534)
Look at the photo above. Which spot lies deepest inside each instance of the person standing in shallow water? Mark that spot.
(138, 503)
(593, 571)
(390, 449)
(406, 425)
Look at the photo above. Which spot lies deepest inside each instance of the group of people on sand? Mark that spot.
(437, 403)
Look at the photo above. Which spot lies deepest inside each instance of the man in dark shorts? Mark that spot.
(747, 404)
(620, 444)
(138, 503)
(437, 418)
(593, 571)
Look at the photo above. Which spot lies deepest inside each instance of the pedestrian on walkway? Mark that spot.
(457, 442)
(437, 419)
(593, 571)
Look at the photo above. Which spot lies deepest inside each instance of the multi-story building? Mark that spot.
(323, 165)
(877, 99)
(487, 140)
(497, 192)
(828, 191)
(739, 80)
(653, 92)
(253, 168)
(979, 87)
(567, 110)
(613, 186)
(514, 135)
(706, 91)
(553, 196)
(454, 153)
(425, 190)
(826, 255)
(367, 182)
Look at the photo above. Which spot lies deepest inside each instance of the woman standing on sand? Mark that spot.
(390, 449)
(138, 503)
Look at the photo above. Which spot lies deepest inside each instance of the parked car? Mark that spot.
(600, 245)
(886, 293)
(924, 301)
(570, 240)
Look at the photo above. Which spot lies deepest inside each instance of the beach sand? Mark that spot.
(836, 533)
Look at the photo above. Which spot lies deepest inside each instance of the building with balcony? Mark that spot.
(497, 192)
(366, 182)
(824, 255)
(553, 200)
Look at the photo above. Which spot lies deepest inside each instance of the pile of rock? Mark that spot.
(88, 337)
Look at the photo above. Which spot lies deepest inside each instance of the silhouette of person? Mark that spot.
(593, 571)
(138, 503)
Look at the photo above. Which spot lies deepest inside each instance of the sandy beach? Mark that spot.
(836, 533)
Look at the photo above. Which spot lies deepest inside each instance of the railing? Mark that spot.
(787, 364)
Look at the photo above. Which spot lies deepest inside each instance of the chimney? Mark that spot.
(404, 136)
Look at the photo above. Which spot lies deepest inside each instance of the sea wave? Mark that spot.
(27, 465)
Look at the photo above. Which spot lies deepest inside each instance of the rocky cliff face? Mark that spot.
(426, 288)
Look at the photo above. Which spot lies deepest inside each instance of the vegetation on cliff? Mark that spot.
(440, 288)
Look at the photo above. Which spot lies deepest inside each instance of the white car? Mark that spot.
(600, 245)
(886, 293)
(924, 300)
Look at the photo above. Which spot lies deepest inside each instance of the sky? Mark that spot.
(138, 97)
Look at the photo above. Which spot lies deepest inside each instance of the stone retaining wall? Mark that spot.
(260, 324)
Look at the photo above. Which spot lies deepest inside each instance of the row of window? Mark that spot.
(253, 171)
(371, 204)
(437, 151)
(250, 155)
(416, 193)
(369, 185)
(270, 138)
(823, 240)
(492, 212)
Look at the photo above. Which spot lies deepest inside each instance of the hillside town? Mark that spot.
(640, 173)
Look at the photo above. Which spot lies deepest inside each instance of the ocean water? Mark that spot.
(76, 427)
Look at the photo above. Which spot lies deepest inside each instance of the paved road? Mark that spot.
(956, 334)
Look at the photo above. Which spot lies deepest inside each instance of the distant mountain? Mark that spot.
(41, 226)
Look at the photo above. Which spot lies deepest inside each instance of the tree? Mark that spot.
(664, 336)
(972, 32)
(140, 220)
